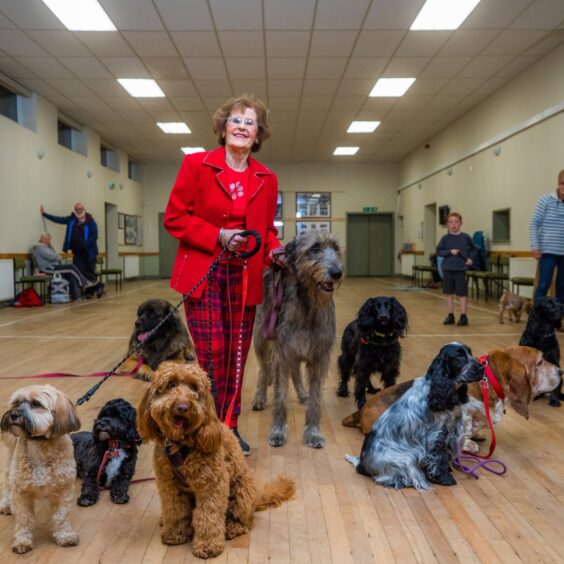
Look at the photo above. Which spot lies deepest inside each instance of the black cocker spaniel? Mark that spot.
(540, 333)
(106, 458)
(371, 344)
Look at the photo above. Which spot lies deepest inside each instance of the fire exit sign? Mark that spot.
(369, 210)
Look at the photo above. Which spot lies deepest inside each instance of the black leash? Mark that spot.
(218, 259)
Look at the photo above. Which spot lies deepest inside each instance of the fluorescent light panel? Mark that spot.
(174, 127)
(363, 126)
(190, 150)
(391, 87)
(142, 87)
(443, 14)
(345, 151)
(81, 15)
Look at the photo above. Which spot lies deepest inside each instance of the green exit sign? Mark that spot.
(369, 210)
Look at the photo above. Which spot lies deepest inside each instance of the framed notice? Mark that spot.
(130, 222)
(304, 226)
(313, 204)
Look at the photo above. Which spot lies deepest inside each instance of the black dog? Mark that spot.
(540, 333)
(171, 342)
(370, 344)
(115, 433)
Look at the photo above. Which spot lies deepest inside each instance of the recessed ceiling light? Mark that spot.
(174, 127)
(391, 87)
(190, 150)
(82, 15)
(443, 14)
(363, 126)
(142, 87)
(345, 151)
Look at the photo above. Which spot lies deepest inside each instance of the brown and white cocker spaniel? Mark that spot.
(207, 491)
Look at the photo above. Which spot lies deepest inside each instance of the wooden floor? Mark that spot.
(337, 515)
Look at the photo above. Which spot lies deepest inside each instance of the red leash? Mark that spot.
(69, 375)
(113, 452)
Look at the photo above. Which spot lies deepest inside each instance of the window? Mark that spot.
(133, 171)
(8, 104)
(71, 135)
(501, 228)
(109, 157)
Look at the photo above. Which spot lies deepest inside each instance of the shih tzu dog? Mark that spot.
(39, 463)
(106, 457)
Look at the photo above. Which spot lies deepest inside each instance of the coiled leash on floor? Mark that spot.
(222, 255)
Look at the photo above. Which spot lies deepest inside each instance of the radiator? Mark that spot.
(6, 279)
(131, 266)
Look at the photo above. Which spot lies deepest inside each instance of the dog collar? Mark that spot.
(367, 341)
(176, 459)
(39, 438)
(491, 377)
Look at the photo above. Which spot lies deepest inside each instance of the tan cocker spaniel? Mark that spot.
(207, 490)
(40, 462)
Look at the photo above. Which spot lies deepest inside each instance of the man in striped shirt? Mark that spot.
(547, 240)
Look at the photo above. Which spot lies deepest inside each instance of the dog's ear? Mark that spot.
(65, 416)
(145, 423)
(366, 316)
(399, 318)
(208, 437)
(132, 434)
(291, 247)
(442, 395)
(519, 389)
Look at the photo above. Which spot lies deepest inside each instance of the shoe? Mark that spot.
(100, 290)
(449, 319)
(463, 320)
(244, 445)
(91, 284)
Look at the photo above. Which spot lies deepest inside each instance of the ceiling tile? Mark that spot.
(424, 86)
(121, 103)
(484, 67)
(422, 43)
(316, 87)
(31, 15)
(70, 86)
(246, 68)
(166, 68)
(356, 87)
(284, 103)
(542, 14)
(237, 14)
(325, 67)
(287, 43)
(156, 105)
(285, 87)
(546, 45)
(332, 43)
(106, 44)
(378, 43)
(384, 14)
(107, 88)
(285, 68)
(289, 14)
(348, 102)
(336, 14)
(187, 103)
(42, 87)
(185, 14)
(315, 103)
(150, 43)
(445, 67)
(178, 87)
(517, 66)
(45, 67)
(59, 43)
(196, 43)
(15, 43)
(89, 102)
(494, 14)
(132, 14)
(405, 66)
(214, 102)
(207, 69)
(462, 86)
(466, 42)
(5, 23)
(251, 86)
(365, 67)
(214, 89)
(443, 102)
(126, 67)
(513, 42)
(241, 43)
(14, 69)
(413, 102)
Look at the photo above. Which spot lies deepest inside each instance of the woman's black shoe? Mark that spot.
(244, 445)
(100, 290)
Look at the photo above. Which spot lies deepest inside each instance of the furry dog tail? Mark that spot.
(275, 493)
(352, 420)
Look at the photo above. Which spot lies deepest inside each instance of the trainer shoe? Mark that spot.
(449, 319)
(463, 320)
(244, 445)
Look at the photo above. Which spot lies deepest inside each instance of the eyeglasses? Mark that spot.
(237, 121)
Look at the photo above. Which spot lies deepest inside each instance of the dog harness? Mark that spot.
(113, 451)
(176, 459)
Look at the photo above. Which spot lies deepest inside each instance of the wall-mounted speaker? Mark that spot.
(443, 214)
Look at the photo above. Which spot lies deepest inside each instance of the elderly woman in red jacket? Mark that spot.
(218, 194)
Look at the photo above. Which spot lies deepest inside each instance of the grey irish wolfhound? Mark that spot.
(305, 332)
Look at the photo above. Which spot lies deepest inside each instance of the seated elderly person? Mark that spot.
(48, 260)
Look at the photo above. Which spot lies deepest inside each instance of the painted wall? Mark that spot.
(57, 181)
(527, 165)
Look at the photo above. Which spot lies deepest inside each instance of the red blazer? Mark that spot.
(199, 205)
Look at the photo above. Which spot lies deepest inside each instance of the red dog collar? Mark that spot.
(491, 377)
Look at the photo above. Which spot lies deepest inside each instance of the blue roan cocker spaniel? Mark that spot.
(415, 440)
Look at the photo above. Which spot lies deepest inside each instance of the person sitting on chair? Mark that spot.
(48, 261)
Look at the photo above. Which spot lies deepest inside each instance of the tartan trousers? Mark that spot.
(222, 299)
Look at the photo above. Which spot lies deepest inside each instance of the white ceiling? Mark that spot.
(312, 61)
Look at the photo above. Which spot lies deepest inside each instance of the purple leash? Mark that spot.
(480, 463)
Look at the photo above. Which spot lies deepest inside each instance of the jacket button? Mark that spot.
(224, 216)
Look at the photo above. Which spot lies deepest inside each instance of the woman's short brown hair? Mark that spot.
(242, 103)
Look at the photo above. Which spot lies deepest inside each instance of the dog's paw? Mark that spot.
(119, 497)
(314, 438)
(445, 480)
(277, 437)
(235, 529)
(23, 546)
(5, 510)
(142, 376)
(86, 500)
(208, 548)
(554, 402)
(342, 391)
(176, 535)
(68, 538)
(471, 446)
(258, 404)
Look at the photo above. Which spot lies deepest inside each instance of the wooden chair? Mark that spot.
(30, 280)
(492, 279)
(117, 273)
(521, 281)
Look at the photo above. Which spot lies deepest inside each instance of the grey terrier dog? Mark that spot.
(304, 332)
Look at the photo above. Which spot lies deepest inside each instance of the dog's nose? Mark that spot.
(181, 408)
(560, 372)
(335, 273)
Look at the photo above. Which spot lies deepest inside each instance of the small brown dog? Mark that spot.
(515, 305)
(207, 491)
(40, 462)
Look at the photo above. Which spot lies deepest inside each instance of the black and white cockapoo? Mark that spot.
(415, 440)
(114, 432)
